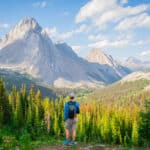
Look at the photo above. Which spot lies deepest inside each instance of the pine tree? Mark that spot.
(24, 101)
(47, 113)
(135, 133)
(144, 127)
(5, 110)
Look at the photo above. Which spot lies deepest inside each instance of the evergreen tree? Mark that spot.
(144, 127)
(135, 133)
(5, 110)
(19, 109)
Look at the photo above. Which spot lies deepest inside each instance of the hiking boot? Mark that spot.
(73, 143)
(66, 142)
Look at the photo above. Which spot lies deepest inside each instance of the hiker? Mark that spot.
(71, 109)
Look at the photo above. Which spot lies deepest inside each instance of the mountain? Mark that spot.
(137, 65)
(28, 49)
(12, 78)
(100, 57)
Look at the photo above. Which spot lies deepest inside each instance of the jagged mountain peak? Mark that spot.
(99, 56)
(21, 30)
(28, 24)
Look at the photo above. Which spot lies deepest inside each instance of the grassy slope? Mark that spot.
(119, 90)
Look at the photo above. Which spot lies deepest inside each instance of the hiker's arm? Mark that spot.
(65, 111)
(78, 108)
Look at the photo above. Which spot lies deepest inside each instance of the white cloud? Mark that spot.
(42, 4)
(109, 44)
(101, 13)
(145, 53)
(116, 14)
(92, 8)
(123, 1)
(52, 32)
(4, 26)
(142, 20)
(67, 35)
(82, 28)
(76, 48)
(141, 42)
(96, 37)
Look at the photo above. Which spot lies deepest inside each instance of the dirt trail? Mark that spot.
(77, 147)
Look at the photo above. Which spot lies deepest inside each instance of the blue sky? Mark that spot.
(120, 27)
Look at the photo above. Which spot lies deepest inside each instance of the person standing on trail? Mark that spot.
(71, 109)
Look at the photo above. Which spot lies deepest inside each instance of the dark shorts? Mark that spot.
(71, 124)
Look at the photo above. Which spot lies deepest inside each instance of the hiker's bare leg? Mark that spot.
(67, 134)
(74, 135)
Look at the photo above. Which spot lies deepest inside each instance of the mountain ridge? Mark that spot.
(33, 52)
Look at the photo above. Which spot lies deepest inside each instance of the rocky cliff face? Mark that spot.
(100, 57)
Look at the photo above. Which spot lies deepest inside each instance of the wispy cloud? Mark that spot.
(64, 36)
(97, 37)
(142, 20)
(141, 42)
(123, 1)
(42, 4)
(145, 53)
(101, 13)
(52, 32)
(109, 44)
(4, 26)
(81, 29)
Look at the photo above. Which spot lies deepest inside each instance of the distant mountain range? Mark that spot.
(28, 49)
(136, 64)
(13, 78)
